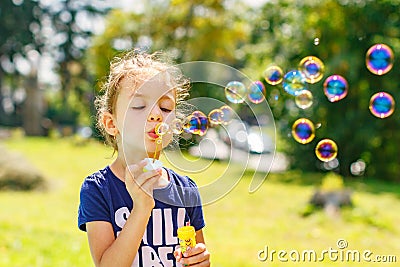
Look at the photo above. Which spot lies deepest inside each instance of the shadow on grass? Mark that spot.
(298, 177)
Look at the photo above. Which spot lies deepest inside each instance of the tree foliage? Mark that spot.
(345, 31)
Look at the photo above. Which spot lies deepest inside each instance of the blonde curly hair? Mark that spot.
(140, 66)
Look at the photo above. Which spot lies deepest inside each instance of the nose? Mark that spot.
(155, 115)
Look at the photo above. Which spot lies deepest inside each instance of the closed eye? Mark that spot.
(138, 107)
(166, 110)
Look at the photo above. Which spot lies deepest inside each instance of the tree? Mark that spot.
(339, 34)
(19, 48)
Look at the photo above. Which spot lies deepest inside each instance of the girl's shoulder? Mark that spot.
(99, 178)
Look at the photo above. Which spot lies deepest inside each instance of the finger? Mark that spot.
(136, 169)
(197, 260)
(199, 248)
(178, 254)
(147, 177)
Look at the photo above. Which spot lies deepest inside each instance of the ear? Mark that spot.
(108, 120)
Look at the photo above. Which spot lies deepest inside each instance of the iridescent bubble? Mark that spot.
(196, 123)
(235, 92)
(294, 81)
(161, 129)
(326, 150)
(312, 68)
(228, 114)
(215, 117)
(303, 131)
(379, 59)
(273, 75)
(304, 99)
(335, 88)
(176, 126)
(256, 92)
(381, 105)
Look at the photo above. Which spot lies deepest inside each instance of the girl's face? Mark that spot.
(138, 111)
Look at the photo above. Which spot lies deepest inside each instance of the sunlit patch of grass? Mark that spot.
(40, 228)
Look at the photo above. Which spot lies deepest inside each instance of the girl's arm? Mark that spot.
(121, 251)
(108, 251)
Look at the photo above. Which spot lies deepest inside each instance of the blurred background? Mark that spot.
(53, 54)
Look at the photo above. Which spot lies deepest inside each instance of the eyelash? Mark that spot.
(162, 109)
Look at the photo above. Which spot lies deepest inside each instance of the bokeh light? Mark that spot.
(235, 92)
(273, 75)
(379, 59)
(381, 105)
(303, 131)
(326, 150)
(294, 81)
(312, 68)
(256, 92)
(304, 99)
(335, 88)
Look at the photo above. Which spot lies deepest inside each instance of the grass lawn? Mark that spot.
(40, 228)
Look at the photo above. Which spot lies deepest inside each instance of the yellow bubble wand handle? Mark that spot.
(157, 149)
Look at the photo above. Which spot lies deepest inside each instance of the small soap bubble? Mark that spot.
(161, 129)
(293, 82)
(196, 123)
(381, 105)
(312, 68)
(326, 150)
(335, 88)
(235, 92)
(303, 131)
(379, 59)
(256, 92)
(177, 126)
(273, 75)
(228, 114)
(304, 99)
(215, 117)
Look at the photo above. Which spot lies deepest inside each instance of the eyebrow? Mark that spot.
(167, 96)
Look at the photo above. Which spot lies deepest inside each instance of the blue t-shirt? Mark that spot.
(104, 197)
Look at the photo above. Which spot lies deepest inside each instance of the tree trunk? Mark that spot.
(33, 108)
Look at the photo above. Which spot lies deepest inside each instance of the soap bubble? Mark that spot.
(303, 131)
(381, 105)
(312, 68)
(273, 75)
(228, 114)
(326, 150)
(304, 99)
(235, 92)
(293, 82)
(379, 59)
(196, 123)
(215, 117)
(177, 126)
(256, 92)
(335, 88)
(161, 129)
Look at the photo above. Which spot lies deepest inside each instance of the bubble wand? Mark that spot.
(160, 130)
(153, 163)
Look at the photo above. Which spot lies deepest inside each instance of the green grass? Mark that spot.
(40, 228)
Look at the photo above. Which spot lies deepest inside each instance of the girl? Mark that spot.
(131, 215)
